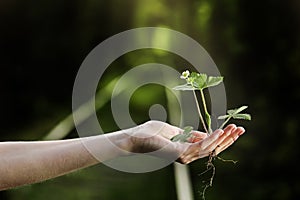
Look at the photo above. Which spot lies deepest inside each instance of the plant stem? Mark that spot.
(224, 123)
(203, 100)
(208, 120)
(199, 112)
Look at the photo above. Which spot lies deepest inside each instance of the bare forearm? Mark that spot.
(29, 162)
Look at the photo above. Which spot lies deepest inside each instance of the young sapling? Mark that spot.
(196, 81)
(199, 81)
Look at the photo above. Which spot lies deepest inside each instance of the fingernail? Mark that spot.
(236, 137)
(229, 132)
(219, 132)
(241, 131)
(222, 132)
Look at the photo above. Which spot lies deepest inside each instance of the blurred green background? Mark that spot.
(255, 44)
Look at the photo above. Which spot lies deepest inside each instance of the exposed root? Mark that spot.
(225, 160)
(211, 167)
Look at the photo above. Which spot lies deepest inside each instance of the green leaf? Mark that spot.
(242, 116)
(235, 114)
(184, 87)
(236, 111)
(240, 109)
(214, 80)
(208, 119)
(200, 81)
(223, 117)
(187, 133)
(197, 81)
(192, 77)
(187, 129)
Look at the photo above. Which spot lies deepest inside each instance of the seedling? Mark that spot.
(235, 114)
(187, 133)
(199, 81)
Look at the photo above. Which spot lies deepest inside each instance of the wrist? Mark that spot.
(108, 146)
(130, 139)
(122, 140)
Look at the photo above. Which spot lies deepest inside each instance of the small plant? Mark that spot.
(199, 81)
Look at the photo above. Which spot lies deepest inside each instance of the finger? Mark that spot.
(233, 136)
(197, 136)
(219, 149)
(170, 131)
(196, 154)
(229, 128)
(230, 139)
(227, 131)
(193, 153)
(210, 139)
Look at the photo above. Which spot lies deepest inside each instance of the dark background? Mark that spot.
(255, 44)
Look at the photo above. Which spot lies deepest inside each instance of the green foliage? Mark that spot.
(196, 81)
(214, 80)
(187, 133)
(235, 114)
(200, 81)
(184, 87)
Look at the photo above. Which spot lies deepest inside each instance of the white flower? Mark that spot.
(185, 74)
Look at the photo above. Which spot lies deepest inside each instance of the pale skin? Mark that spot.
(23, 163)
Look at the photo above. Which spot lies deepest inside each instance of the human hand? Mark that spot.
(154, 135)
